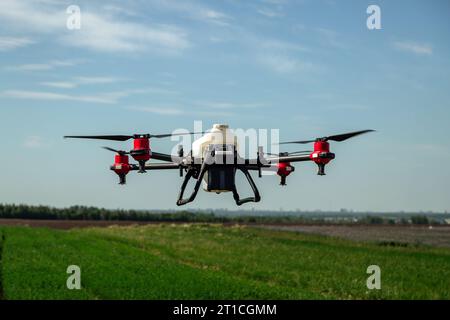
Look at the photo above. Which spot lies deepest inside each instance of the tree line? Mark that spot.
(12, 211)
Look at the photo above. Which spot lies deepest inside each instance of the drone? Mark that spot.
(214, 160)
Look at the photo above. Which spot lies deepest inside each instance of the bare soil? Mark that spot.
(385, 235)
(68, 224)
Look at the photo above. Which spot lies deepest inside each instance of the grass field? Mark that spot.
(212, 262)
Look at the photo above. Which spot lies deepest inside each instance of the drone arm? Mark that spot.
(299, 158)
(165, 157)
(254, 164)
(157, 166)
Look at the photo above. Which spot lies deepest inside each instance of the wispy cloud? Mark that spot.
(44, 66)
(229, 105)
(103, 98)
(101, 34)
(273, 54)
(330, 38)
(96, 80)
(270, 13)
(437, 150)
(280, 46)
(31, 67)
(200, 108)
(272, 8)
(195, 11)
(168, 111)
(11, 43)
(60, 84)
(178, 111)
(282, 63)
(77, 81)
(349, 106)
(115, 9)
(99, 31)
(108, 98)
(414, 47)
(34, 142)
(215, 17)
(276, 2)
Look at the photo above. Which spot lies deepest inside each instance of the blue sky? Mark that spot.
(308, 68)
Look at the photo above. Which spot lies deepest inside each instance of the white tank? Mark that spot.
(220, 134)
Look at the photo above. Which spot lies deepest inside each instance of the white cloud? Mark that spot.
(156, 90)
(437, 150)
(114, 9)
(212, 14)
(31, 67)
(11, 43)
(77, 81)
(60, 84)
(43, 66)
(282, 64)
(275, 2)
(349, 106)
(194, 11)
(108, 98)
(101, 34)
(270, 13)
(229, 105)
(273, 54)
(23, 15)
(280, 46)
(96, 80)
(330, 38)
(174, 111)
(168, 111)
(99, 31)
(103, 98)
(414, 47)
(34, 142)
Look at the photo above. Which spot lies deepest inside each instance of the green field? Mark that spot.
(212, 262)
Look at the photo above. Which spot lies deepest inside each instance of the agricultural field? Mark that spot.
(212, 261)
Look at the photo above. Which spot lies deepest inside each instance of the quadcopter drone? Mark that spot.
(214, 160)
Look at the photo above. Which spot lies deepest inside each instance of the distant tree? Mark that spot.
(419, 220)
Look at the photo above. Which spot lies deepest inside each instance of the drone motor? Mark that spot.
(321, 155)
(141, 151)
(121, 166)
(284, 169)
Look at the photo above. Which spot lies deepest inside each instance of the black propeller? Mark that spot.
(337, 137)
(283, 154)
(127, 137)
(121, 152)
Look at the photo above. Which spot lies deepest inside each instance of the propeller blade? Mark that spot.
(301, 142)
(116, 151)
(166, 135)
(345, 136)
(337, 137)
(283, 154)
(127, 137)
(107, 137)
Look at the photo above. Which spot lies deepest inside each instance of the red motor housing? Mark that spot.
(141, 152)
(321, 155)
(121, 167)
(284, 169)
